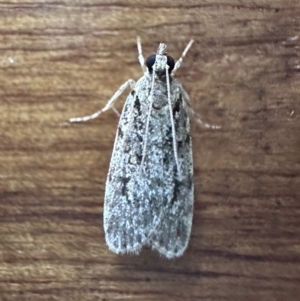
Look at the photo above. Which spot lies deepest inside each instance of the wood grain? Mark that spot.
(61, 59)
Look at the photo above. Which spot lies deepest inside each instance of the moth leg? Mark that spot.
(195, 115)
(116, 111)
(204, 124)
(178, 63)
(109, 104)
(141, 57)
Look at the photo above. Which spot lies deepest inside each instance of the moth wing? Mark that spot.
(130, 209)
(172, 235)
(150, 206)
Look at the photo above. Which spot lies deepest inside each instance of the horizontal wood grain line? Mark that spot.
(126, 4)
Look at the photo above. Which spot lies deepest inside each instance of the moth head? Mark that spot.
(160, 60)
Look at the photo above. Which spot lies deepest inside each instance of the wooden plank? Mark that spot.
(61, 59)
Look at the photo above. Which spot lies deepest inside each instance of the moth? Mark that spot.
(149, 192)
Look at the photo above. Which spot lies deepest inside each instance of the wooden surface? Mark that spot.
(61, 59)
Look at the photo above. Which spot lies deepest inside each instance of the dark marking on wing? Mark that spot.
(137, 105)
(188, 139)
(125, 181)
(177, 106)
(138, 158)
(120, 132)
(176, 191)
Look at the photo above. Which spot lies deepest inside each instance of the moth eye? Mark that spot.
(171, 63)
(150, 61)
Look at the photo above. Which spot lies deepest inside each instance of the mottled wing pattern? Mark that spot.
(172, 235)
(149, 206)
(130, 206)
